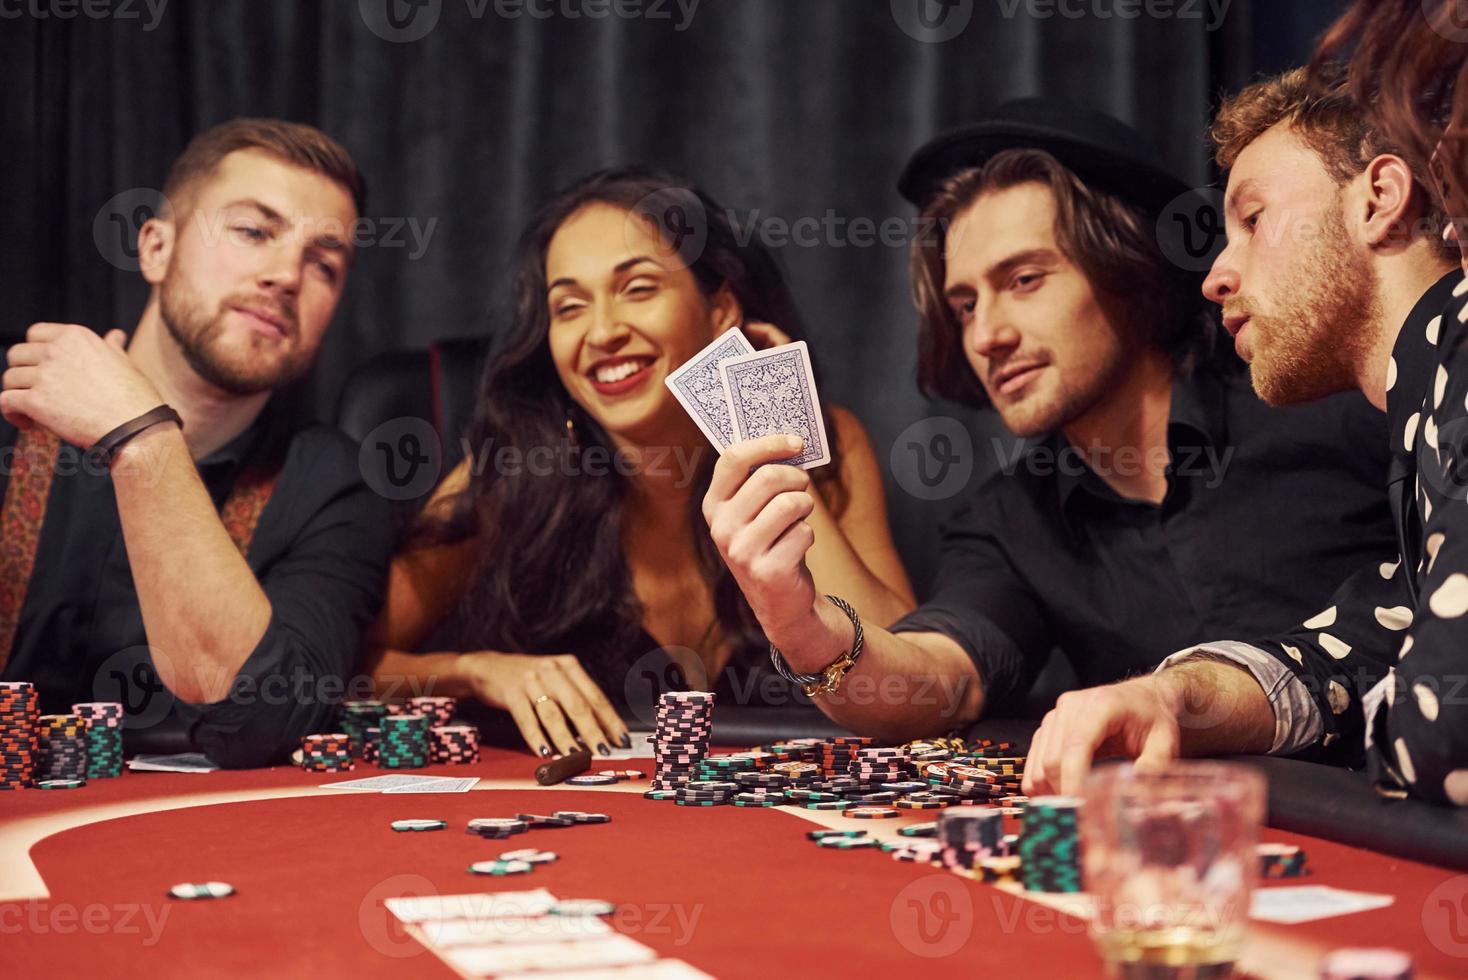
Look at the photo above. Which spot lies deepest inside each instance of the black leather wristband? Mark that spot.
(109, 444)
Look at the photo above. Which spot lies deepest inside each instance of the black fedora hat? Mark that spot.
(1104, 152)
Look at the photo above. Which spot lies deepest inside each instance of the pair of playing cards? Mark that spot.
(735, 393)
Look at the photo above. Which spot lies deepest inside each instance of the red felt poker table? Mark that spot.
(85, 874)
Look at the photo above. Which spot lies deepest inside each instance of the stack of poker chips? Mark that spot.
(875, 766)
(968, 835)
(438, 711)
(355, 717)
(684, 724)
(836, 754)
(371, 738)
(104, 737)
(19, 713)
(62, 740)
(403, 743)
(456, 744)
(1282, 861)
(330, 752)
(705, 792)
(1050, 845)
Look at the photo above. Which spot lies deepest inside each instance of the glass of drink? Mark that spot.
(1169, 859)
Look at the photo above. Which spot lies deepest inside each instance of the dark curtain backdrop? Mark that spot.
(794, 108)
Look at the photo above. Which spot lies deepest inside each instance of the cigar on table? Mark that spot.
(561, 769)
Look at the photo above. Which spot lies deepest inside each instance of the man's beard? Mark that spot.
(1315, 345)
(1075, 398)
(198, 335)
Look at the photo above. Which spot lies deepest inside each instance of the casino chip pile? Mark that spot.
(19, 720)
(355, 718)
(456, 744)
(1050, 846)
(327, 753)
(104, 737)
(681, 740)
(404, 742)
(969, 835)
(61, 762)
(438, 711)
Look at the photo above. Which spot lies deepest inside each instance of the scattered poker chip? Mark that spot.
(880, 798)
(581, 816)
(60, 783)
(582, 907)
(496, 826)
(911, 803)
(811, 796)
(755, 800)
(660, 794)
(848, 843)
(592, 780)
(904, 787)
(404, 826)
(531, 856)
(819, 835)
(537, 820)
(500, 867)
(827, 805)
(623, 774)
(872, 812)
(207, 889)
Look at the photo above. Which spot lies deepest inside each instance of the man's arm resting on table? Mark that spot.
(1198, 707)
(203, 610)
(904, 685)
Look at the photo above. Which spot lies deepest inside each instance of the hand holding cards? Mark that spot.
(735, 393)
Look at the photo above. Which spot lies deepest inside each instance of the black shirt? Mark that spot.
(1266, 510)
(320, 552)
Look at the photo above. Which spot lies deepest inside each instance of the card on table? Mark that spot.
(773, 392)
(488, 930)
(1306, 903)
(656, 970)
(699, 387)
(431, 908)
(405, 783)
(500, 958)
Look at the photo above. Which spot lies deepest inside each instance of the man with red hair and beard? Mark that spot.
(1337, 277)
(166, 540)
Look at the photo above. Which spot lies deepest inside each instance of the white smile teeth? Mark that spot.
(619, 372)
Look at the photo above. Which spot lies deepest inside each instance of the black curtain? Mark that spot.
(783, 109)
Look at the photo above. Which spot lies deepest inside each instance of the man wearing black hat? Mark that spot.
(1159, 500)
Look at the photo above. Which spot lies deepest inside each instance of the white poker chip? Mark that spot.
(208, 889)
(531, 855)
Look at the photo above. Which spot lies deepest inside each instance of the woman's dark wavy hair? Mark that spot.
(1406, 65)
(551, 575)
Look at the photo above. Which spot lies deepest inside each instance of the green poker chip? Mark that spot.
(828, 805)
(406, 826)
(848, 843)
(500, 867)
(819, 835)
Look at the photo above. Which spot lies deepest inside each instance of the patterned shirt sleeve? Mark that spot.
(1338, 655)
(1418, 728)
